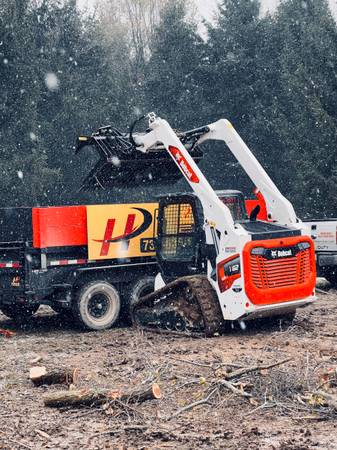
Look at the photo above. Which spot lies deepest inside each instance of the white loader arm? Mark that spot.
(214, 210)
(279, 207)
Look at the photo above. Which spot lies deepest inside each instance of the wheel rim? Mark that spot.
(98, 306)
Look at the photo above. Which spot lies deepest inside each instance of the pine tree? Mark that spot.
(23, 164)
(302, 126)
(171, 81)
(231, 82)
(232, 48)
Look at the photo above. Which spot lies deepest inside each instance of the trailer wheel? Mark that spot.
(143, 286)
(97, 305)
(19, 313)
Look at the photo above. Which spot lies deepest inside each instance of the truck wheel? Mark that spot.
(19, 313)
(143, 286)
(97, 305)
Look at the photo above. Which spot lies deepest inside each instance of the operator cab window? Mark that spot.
(235, 203)
(178, 232)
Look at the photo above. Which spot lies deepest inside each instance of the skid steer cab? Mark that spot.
(181, 240)
(216, 263)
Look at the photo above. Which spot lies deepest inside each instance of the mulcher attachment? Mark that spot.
(188, 304)
(120, 164)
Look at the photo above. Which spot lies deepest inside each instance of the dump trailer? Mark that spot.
(84, 261)
(213, 268)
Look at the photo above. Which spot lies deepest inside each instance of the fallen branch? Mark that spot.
(40, 376)
(321, 291)
(245, 370)
(91, 397)
(232, 388)
(20, 443)
(193, 335)
(43, 434)
(192, 405)
(263, 406)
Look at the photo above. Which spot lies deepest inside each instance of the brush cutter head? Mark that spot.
(120, 164)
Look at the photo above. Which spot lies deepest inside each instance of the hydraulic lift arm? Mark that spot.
(161, 133)
(279, 207)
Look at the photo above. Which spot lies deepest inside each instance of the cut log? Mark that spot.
(94, 397)
(39, 375)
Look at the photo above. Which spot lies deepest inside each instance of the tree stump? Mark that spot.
(39, 375)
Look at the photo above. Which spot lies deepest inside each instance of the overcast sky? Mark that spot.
(207, 7)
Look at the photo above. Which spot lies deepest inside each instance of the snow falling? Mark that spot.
(52, 82)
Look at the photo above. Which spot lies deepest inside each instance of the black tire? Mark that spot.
(143, 286)
(96, 306)
(19, 313)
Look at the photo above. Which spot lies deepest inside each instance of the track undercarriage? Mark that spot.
(188, 304)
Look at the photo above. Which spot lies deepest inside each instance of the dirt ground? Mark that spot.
(187, 370)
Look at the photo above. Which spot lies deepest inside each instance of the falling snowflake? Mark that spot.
(32, 136)
(51, 81)
(20, 174)
(115, 161)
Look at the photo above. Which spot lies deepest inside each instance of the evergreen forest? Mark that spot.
(65, 71)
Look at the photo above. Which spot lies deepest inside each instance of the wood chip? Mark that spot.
(43, 434)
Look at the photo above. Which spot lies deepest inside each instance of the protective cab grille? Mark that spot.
(283, 272)
(178, 231)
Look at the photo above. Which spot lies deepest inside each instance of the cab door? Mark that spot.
(181, 237)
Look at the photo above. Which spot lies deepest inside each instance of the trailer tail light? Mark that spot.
(15, 281)
(228, 271)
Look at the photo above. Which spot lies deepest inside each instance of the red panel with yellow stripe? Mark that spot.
(109, 231)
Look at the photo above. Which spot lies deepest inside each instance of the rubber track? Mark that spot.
(209, 304)
(203, 294)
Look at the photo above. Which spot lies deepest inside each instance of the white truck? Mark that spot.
(324, 234)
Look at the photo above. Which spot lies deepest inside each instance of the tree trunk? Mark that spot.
(92, 397)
